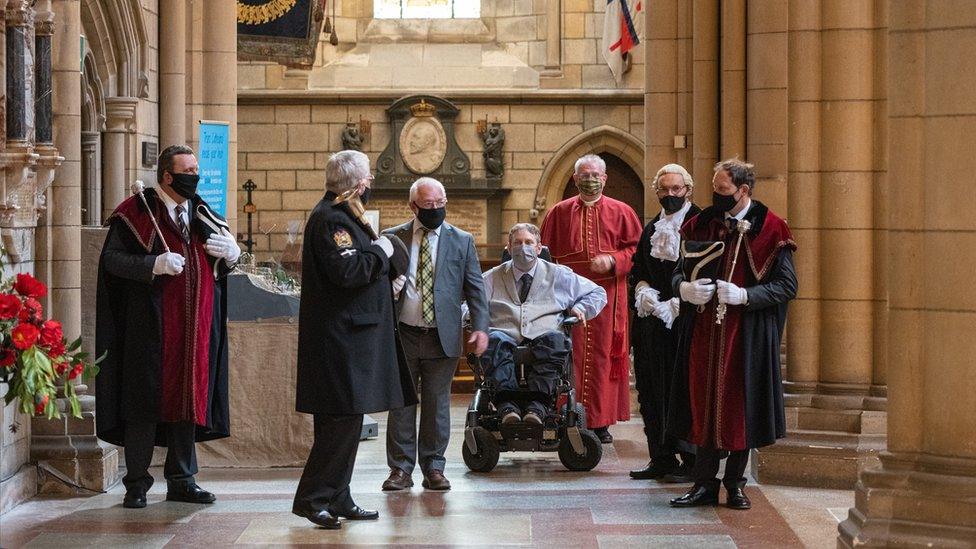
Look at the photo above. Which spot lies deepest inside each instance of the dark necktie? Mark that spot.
(184, 230)
(732, 223)
(524, 284)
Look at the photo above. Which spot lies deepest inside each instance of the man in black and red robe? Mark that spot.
(161, 322)
(727, 394)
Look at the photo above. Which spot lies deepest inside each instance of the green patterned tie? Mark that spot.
(425, 279)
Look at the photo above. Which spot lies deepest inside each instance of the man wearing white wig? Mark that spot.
(656, 307)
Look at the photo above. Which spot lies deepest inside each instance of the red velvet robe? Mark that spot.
(575, 234)
(716, 384)
(187, 315)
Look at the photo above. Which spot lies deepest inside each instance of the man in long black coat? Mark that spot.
(162, 322)
(727, 394)
(656, 308)
(349, 359)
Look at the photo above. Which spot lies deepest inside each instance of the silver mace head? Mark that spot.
(137, 187)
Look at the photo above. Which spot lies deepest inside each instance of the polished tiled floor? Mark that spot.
(528, 500)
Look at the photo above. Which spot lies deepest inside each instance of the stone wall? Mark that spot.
(284, 147)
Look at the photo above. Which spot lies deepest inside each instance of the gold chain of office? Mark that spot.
(267, 12)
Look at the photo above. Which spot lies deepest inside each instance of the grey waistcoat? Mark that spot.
(539, 314)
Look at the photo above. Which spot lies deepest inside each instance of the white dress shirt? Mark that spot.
(171, 208)
(569, 291)
(741, 215)
(411, 312)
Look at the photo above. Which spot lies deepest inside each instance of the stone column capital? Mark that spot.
(120, 114)
(19, 13)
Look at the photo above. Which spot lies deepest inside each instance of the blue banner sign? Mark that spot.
(214, 148)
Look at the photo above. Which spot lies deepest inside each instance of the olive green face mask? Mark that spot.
(589, 186)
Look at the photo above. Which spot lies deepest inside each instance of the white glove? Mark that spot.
(168, 264)
(698, 291)
(398, 284)
(666, 311)
(645, 298)
(384, 242)
(731, 294)
(224, 246)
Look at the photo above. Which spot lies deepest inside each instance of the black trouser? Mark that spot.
(325, 481)
(707, 461)
(181, 456)
(549, 352)
(655, 347)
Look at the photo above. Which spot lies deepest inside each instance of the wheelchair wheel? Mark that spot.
(592, 452)
(487, 457)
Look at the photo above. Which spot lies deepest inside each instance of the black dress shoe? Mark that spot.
(134, 499)
(604, 435)
(356, 513)
(702, 493)
(189, 493)
(652, 471)
(322, 519)
(737, 497)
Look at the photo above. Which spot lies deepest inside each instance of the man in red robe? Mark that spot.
(727, 395)
(161, 322)
(595, 236)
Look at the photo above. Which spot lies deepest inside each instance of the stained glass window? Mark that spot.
(426, 9)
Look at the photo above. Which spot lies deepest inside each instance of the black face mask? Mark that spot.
(364, 198)
(672, 204)
(724, 202)
(185, 184)
(432, 217)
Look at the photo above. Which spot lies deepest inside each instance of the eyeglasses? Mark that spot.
(431, 204)
(672, 191)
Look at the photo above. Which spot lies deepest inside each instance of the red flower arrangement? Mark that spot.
(35, 358)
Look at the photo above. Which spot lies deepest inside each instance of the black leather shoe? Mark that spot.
(737, 497)
(134, 499)
(356, 513)
(704, 493)
(322, 519)
(189, 493)
(604, 435)
(652, 471)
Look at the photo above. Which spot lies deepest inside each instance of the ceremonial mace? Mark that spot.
(742, 227)
(355, 206)
(137, 189)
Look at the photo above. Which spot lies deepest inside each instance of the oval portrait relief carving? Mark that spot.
(423, 144)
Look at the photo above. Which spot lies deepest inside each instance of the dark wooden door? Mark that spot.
(622, 183)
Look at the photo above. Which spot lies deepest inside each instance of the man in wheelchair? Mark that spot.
(528, 298)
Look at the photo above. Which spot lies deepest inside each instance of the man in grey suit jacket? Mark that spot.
(444, 270)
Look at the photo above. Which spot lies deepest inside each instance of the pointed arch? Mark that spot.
(117, 37)
(601, 139)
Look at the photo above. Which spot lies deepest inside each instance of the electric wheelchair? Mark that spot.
(563, 430)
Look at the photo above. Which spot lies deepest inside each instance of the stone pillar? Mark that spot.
(172, 73)
(733, 78)
(218, 76)
(923, 493)
(835, 413)
(18, 199)
(70, 458)
(119, 120)
(91, 199)
(705, 97)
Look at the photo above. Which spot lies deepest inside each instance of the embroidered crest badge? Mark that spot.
(342, 238)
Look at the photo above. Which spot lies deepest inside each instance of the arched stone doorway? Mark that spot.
(623, 183)
(625, 150)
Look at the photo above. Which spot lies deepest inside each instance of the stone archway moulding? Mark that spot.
(119, 43)
(601, 139)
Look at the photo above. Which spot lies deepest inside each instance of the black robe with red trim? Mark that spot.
(164, 337)
(727, 389)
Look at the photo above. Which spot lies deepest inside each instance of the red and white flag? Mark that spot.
(623, 26)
